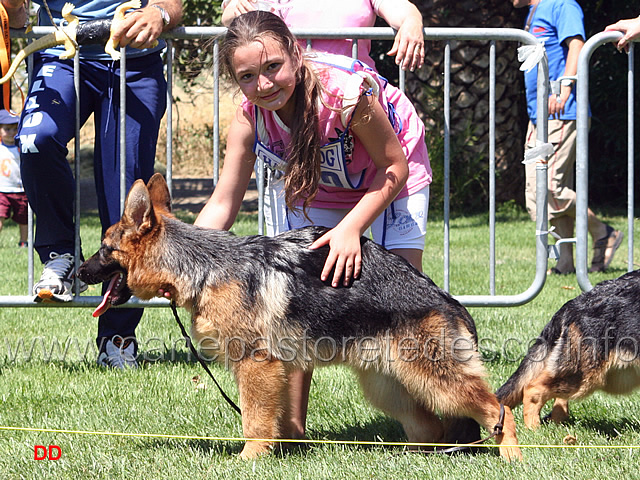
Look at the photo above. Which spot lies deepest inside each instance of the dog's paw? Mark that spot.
(511, 453)
(255, 449)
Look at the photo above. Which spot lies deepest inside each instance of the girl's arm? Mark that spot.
(222, 207)
(371, 126)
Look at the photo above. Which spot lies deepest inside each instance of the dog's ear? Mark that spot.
(138, 209)
(159, 192)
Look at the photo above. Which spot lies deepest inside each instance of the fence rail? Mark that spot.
(582, 153)
(446, 35)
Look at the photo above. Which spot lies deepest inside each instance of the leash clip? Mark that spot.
(497, 429)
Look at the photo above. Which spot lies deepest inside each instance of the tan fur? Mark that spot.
(616, 376)
(262, 386)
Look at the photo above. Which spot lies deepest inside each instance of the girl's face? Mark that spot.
(266, 74)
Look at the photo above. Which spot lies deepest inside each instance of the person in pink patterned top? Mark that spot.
(346, 149)
(631, 29)
(402, 15)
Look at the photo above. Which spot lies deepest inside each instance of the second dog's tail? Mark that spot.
(534, 362)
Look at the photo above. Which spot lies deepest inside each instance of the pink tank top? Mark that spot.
(346, 168)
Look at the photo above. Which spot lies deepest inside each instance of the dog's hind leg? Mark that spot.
(262, 386)
(471, 397)
(390, 396)
(560, 411)
(460, 390)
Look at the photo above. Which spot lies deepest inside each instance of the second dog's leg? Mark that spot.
(262, 386)
(560, 410)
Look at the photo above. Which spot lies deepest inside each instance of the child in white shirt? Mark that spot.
(13, 200)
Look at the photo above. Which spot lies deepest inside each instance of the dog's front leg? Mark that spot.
(262, 384)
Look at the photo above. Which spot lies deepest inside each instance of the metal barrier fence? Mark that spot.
(446, 35)
(582, 153)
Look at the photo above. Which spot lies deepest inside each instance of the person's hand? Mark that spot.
(344, 255)
(630, 28)
(408, 46)
(235, 8)
(139, 29)
(557, 102)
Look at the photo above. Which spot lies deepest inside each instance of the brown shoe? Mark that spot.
(604, 250)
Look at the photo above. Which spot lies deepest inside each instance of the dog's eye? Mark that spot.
(106, 250)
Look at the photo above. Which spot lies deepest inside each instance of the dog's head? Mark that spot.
(121, 243)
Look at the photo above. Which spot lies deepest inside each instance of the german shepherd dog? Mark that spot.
(258, 304)
(591, 343)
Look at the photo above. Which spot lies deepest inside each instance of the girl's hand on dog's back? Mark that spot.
(344, 256)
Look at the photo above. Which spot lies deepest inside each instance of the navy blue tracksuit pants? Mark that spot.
(47, 126)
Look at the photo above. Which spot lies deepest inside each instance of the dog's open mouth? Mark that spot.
(114, 294)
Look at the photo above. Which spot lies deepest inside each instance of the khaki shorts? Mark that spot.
(560, 173)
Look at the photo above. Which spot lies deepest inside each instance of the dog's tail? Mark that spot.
(532, 365)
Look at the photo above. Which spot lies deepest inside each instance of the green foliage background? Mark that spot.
(192, 56)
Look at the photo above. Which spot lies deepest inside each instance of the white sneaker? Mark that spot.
(57, 280)
(117, 352)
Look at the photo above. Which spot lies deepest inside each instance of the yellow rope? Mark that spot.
(332, 442)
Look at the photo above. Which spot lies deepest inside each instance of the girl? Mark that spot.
(342, 147)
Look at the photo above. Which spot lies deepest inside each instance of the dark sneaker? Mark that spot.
(57, 280)
(118, 352)
(23, 244)
(556, 271)
(604, 250)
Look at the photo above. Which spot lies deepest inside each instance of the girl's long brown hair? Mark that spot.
(302, 174)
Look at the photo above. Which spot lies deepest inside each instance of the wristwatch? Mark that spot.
(166, 19)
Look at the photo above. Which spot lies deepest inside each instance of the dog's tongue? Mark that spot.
(105, 304)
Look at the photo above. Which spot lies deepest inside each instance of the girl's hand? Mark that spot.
(344, 256)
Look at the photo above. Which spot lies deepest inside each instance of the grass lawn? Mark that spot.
(49, 380)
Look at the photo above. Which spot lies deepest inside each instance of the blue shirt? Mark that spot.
(553, 22)
(88, 10)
